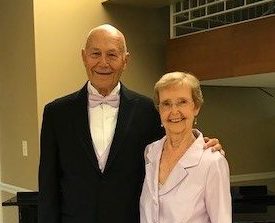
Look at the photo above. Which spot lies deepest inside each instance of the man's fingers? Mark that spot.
(212, 143)
(206, 139)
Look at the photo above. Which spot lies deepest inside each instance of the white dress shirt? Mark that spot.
(102, 120)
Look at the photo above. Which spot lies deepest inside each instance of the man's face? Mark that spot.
(105, 59)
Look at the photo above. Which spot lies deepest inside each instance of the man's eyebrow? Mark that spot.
(93, 48)
(113, 50)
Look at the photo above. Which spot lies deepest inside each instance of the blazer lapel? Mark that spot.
(190, 159)
(175, 177)
(81, 126)
(126, 110)
(152, 167)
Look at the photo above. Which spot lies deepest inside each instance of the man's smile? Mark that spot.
(103, 73)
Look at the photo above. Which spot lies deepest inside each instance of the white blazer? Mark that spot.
(196, 191)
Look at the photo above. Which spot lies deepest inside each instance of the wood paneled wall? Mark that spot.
(241, 49)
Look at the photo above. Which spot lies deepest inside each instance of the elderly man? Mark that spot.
(92, 141)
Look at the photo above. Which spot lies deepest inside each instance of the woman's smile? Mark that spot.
(176, 120)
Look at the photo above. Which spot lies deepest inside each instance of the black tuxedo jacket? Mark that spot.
(72, 188)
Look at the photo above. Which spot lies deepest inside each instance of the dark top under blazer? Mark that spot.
(71, 187)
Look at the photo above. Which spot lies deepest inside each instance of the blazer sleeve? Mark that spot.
(218, 197)
(48, 203)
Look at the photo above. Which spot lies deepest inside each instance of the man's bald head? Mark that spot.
(110, 30)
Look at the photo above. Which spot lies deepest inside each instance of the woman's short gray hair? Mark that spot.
(180, 78)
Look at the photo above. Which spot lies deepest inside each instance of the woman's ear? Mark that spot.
(196, 110)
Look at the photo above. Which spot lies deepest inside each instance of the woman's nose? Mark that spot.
(174, 108)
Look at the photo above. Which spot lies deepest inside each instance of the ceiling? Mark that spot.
(143, 3)
(266, 80)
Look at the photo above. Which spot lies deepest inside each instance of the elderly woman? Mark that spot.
(184, 183)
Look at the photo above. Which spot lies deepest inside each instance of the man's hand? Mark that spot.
(214, 144)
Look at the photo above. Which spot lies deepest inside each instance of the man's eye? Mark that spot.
(182, 102)
(94, 54)
(112, 55)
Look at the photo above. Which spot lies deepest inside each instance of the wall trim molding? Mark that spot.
(252, 176)
(12, 189)
(233, 179)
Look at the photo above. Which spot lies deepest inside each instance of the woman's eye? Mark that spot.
(166, 104)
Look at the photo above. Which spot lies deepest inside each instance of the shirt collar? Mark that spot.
(92, 90)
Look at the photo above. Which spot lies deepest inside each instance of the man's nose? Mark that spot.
(103, 60)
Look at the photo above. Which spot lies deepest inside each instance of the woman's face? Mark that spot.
(177, 109)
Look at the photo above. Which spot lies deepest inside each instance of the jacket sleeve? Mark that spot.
(154, 126)
(48, 203)
(218, 197)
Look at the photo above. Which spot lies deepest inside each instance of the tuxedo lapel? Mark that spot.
(125, 113)
(81, 125)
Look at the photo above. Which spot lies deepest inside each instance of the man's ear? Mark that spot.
(126, 59)
(83, 54)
